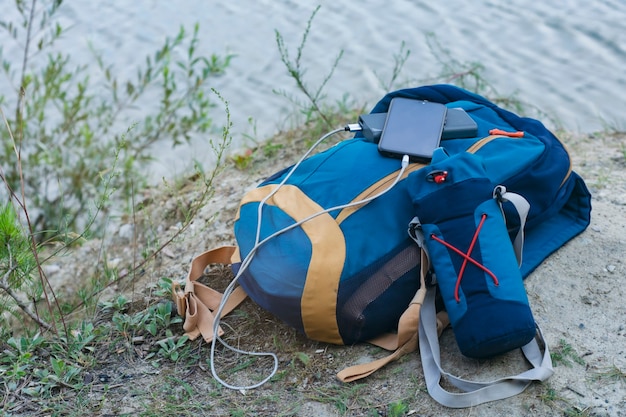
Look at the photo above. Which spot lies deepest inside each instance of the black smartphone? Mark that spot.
(413, 128)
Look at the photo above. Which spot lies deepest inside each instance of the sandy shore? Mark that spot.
(577, 297)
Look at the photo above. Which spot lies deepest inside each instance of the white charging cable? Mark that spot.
(258, 243)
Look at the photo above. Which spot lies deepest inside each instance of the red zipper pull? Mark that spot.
(518, 134)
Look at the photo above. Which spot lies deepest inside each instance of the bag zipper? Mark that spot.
(484, 141)
(384, 182)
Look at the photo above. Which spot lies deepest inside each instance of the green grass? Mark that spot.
(564, 354)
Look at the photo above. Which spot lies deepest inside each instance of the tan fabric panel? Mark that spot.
(482, 142)
(319, 298)
(375, 188)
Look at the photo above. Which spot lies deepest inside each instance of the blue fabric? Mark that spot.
(375, 235)
(535, 169)
(457, 211)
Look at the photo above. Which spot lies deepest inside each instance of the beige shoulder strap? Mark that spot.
(197, 303)
(405, 341)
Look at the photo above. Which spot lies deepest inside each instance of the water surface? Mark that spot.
(566, 57)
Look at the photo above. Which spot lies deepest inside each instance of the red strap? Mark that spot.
(467, 258)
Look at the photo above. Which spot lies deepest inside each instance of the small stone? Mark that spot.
(611, 268)
(126, 231)
(137, 340)
(168, 253)
(51, 269)
(113, 263)
(88, 379)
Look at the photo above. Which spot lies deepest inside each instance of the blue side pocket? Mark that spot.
(472, 256)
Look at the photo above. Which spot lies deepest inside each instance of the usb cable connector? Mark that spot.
(353, 127)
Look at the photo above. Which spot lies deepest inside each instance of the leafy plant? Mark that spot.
(399, 60)
(66, 163)
(120, 303)
(397, 409)
(152, 321)
(127, 324)
(173, 348)
(70, 130)
(160, 317)
(243, 160)
(19, 359)
(315, 96)
(77, 344)
(61, 374)
(17, 266)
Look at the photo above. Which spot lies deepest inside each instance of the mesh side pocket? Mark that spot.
(371, 302)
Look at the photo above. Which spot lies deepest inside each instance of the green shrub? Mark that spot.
(72, 143)
(72, 154)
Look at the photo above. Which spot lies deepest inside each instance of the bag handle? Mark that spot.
(198, 302)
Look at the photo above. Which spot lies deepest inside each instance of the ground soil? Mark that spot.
(576, 296)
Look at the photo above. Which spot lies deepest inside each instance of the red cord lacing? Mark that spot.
(467, 258)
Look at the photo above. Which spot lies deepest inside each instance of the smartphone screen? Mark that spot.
(413, 128)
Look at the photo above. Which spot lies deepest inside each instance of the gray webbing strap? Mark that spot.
(474, 393)
(522, 207)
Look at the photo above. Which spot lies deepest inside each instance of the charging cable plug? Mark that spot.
(405, 161)
(353, 127)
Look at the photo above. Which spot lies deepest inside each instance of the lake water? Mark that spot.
(567, 57)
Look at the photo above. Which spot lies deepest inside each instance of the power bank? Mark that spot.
(458, 125)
